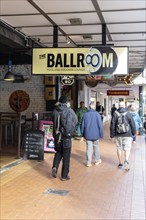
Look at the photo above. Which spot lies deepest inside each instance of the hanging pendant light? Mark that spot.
(9, 75)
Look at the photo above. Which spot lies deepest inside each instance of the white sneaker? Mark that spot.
(81, 139)
(89, 165)
(98, 162)
(126, 165)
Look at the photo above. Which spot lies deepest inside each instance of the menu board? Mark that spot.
(34, 145)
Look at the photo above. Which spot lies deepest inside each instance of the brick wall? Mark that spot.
(33, 86)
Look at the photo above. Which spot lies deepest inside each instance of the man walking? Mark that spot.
(92, 130)
(113, 109)
(100, 109)
(65, 121)
(80, 113)
(122, 127)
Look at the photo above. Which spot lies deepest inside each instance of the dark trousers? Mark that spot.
(64, 155)
(101, 117)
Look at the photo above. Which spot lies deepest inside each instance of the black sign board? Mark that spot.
(34, 145)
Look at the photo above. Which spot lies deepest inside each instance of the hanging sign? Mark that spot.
(117, 92)
(81, 61)
(67, 80)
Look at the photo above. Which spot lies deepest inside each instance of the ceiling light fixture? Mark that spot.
(87, 37)
(9, 75)
(75, 21)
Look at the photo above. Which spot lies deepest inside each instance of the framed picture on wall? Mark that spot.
(50, 80)
(50, 93)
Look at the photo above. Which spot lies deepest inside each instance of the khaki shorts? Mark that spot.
(123, 143)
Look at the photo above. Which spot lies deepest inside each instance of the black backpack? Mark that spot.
(67, 123)
(122, 125)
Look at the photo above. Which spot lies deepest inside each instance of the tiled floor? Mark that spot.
(98, 192)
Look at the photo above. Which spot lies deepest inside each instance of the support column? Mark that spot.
(141, 101)
(55, 45)
(104, 34)
(50, 103)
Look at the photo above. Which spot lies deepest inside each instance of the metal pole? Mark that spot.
(0, 131)
(104, 34)
(55, 45)
(19, 135)
(141, 106)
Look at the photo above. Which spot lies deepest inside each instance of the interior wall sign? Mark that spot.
(67, 80)
(80, 61)
(19, 101)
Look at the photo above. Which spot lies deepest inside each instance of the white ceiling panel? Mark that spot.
(49, 39)
(85, 29)
(127, 27)
(124, 16)
(85, 17)
(96, 39)
(38, 31)
(16, 7)
(26, 20)
(129, 37)
(125, 4)
(65, 5)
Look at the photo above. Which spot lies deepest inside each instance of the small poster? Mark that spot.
(47, 127)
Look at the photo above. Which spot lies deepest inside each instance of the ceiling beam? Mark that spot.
(49, 19)
(99, 13)
(74, 12)
(78, 34)
(124, 9)
(87, 24)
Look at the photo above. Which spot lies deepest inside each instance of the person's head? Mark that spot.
(92, 105)
(133, 108)
(113, 105)
(122, 104)
(82, 104)
(97, 103)
(63, 99)
(117, 105)
(129, 107)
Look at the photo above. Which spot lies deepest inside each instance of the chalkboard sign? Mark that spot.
(34, 145)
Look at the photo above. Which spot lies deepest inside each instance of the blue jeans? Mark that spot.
(79, 130)
(90, 146)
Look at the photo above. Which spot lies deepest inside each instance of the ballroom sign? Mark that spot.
(80, 61)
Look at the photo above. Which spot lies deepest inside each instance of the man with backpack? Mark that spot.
(122, 128)
(64, 125)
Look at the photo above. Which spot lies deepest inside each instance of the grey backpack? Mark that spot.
(67, 123)
(122, 125)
